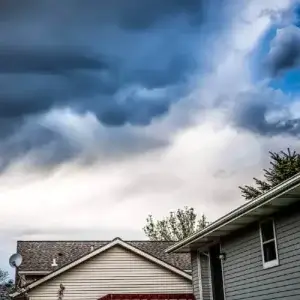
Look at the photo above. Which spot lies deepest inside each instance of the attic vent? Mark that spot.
(54, 264)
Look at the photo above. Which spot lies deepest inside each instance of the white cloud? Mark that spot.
(201, 166)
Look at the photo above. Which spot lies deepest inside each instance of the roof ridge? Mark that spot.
(64, 241)
(103, 241)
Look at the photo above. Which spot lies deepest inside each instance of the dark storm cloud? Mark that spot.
(126, 62)
(285, 51)
(81, 54)
(51, 147)
(56, 60)
(133, 14)
(26, 139)
(264, 112)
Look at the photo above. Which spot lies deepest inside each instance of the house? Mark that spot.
(251, 253)
(94, 270)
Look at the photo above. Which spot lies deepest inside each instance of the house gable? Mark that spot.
(117, 270)
(38, 255)
(115, 260)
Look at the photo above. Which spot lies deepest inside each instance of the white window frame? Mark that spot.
(275, 262)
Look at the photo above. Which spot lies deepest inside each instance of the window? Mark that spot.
(268, 244)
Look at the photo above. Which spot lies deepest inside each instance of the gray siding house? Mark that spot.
(251, 253)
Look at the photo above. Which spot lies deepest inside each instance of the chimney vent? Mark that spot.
(54, 264)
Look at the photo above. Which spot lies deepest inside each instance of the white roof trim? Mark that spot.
(243, 210)
(115, 242)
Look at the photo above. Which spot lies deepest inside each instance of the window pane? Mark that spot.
(269, 251)
(267, 230)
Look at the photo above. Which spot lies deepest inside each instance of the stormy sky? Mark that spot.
(126, 62)
(109, 108)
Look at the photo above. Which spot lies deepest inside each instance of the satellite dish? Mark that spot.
(15, 260)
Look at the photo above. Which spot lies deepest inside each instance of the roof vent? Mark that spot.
(92, 248)
(54, 264)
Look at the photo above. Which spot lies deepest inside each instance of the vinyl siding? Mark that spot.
(244, 275)
(116, 270)
(196, 275)
(201, 276)
(205, 277)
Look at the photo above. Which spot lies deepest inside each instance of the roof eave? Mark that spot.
(33, 272)
(183, 245)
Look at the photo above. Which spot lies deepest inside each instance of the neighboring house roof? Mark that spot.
(272, 201)
(116, 242)
(38, 255)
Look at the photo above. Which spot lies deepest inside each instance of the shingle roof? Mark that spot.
(38, 255)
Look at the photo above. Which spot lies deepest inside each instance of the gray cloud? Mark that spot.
(81, 55)
(285, 50)
(133, 14)
(53, 142)
(264, 112)
(39, 60)
(126, 62)
(47, 141)
(70, 50)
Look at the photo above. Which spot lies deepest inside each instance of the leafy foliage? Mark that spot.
(6, 286)
(176, 226)
(283, 166)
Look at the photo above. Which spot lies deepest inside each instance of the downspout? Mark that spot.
(223, 278)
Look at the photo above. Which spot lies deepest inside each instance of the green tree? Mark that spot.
(6, 286)
(283, 166)
(176, 226)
